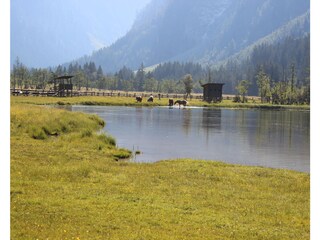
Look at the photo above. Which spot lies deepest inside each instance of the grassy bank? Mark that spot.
(125, 101)
(68, 182)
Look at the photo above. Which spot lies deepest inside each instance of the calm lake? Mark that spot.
(277, 139)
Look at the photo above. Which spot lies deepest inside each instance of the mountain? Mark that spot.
(296, 28)
(47, 33)
(204, 31)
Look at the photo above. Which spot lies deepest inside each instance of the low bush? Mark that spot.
(107, 139)
(122, 154)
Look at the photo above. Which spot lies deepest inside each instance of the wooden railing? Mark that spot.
(50, 93)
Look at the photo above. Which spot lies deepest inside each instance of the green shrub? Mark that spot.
(61, 103)
(88, 103)
(107, 139)
(122, 153)
(38, 133)
(46, 130)
(97, 119)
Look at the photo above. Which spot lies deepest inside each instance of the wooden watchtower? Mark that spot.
(212, 92)
(63, 86)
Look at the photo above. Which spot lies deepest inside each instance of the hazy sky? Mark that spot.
(116, 15)
(46, 32)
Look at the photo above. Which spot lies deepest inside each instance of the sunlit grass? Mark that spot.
(73, 184)
(130, 101)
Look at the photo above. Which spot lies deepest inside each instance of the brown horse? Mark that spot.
(170, 102)
(139, 99)
(181, 102)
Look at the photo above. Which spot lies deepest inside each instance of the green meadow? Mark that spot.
(70, 181)
(130, 101)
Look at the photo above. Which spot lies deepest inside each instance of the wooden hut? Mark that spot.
(212, 92)
(63, 86)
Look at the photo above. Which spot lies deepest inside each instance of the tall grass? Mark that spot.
(72, 185)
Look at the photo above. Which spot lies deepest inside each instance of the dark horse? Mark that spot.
(150, 99)
(170, 102)
(181, 102)
(139, 99)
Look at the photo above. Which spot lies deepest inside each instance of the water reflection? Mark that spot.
(276, 128)
(211, 123)
(278, 139)
(186, 119)
(211, 118)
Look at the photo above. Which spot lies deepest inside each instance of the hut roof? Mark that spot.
(207, 84)
(64, 77)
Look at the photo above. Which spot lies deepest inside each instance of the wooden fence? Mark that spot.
(44, 93)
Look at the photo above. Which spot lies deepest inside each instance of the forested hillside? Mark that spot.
(276, 60)
(202, 31)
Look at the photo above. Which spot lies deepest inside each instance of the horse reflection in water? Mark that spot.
(181, 102)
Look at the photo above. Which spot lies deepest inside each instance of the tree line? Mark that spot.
(282, 92)
(279, 73)
(88, 76)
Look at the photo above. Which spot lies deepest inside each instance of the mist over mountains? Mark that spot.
(203, 31)
(47, 33)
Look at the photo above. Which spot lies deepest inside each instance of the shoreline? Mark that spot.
(125, 101)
